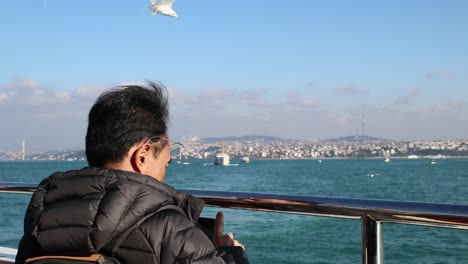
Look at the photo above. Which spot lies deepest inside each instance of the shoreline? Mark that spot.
(255, 158)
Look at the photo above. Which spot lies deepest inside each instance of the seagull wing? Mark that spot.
(167, 3)
(153, 1)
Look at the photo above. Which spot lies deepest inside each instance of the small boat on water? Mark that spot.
(245, 159)
(432, 162)
(387, 160)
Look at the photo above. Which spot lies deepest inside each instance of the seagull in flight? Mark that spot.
(164, 8)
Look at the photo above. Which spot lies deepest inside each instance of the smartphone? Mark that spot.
(207, 225)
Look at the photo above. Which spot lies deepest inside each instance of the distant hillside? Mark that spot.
(355, 139)
(278, 139)
(245, 138)
(75, 154)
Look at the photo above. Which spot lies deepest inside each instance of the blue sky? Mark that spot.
(297, 69)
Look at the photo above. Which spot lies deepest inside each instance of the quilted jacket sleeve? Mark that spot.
(182, 242)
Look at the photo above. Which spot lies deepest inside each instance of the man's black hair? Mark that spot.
(124, 117)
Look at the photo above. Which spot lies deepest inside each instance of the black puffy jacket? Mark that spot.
(82, 212)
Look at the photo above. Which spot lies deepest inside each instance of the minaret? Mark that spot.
(24, 150)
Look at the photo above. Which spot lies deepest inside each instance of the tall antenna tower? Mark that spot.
(24, 150)
(363, 121)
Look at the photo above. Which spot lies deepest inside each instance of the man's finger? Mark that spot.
(219, 226)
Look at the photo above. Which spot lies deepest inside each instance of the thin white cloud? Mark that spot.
(457, 104)
(24, 93)
(349, 90)
(48, 118)
(310, 85)
(29, 92)
(88, 91)
(408, 98)
(295, 99)
(450, 106)
(51, 118)
(291, 119)
(3, 97)
(132, 83)
(443, 74)
(218, 98)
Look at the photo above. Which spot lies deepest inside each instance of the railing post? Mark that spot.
(372, 241)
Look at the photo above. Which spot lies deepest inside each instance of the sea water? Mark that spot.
(286, 238)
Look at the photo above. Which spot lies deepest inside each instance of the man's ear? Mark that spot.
(139, 157)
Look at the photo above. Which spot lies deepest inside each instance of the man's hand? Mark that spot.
(220, 239)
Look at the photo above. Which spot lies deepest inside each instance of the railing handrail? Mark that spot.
(407, 212)
(371, 212)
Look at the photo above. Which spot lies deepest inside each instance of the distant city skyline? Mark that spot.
(321, 69)
(259, 147)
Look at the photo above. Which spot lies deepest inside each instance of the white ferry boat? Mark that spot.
(222, 158)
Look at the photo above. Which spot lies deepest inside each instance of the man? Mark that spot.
(119, 205)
